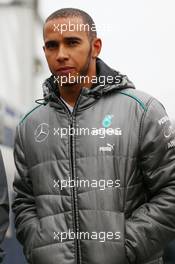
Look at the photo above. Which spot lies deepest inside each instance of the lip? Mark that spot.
(65, 69)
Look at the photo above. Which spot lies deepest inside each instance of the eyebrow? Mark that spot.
(51, 42)
(65, 39)
(73, 38)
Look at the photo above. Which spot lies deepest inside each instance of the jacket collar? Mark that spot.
(89, 96)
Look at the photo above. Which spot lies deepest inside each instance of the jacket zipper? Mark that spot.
(72, 165)
(75, 209)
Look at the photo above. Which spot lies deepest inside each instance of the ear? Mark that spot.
(96, 47)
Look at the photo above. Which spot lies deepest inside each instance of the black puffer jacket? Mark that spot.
(4, 205)
(117, 204)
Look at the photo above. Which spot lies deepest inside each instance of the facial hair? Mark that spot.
(83, 72)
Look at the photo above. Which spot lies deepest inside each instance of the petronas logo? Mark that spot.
(107, 121)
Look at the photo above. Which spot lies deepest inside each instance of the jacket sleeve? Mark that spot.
(4, 205)
(152, 226)
(23, 206)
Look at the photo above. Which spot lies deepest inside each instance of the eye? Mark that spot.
(51, 45)
(72, 42)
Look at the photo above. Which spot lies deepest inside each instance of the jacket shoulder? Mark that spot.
(142, 98)
(33, 113)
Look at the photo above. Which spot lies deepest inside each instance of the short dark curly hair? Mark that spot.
(74, 12)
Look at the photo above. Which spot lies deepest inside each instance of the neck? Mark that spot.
(71, 93)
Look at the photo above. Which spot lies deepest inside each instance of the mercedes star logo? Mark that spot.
(42, 132)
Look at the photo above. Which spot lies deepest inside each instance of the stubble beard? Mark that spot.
(82, 74)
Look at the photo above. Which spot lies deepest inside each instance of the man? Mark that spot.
(95, 160)
(4, 205)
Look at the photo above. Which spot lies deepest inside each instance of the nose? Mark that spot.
(62, 54)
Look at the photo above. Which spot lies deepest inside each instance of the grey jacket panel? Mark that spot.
(157, 169)
(4, 205)
(126, 143)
